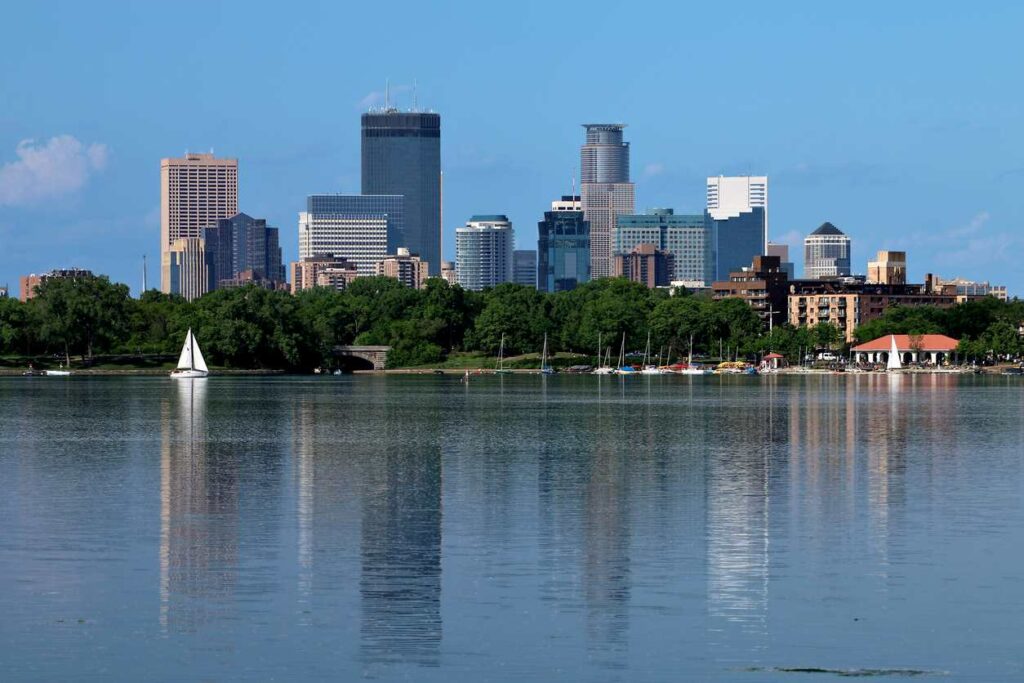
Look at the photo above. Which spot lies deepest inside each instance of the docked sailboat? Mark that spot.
(500, 367)
(191, 364)
(603, 367)
(692, 369)
(623, 368)
(545, 369)
(647, 367)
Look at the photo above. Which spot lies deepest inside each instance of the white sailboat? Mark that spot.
(648, 368)
(894, 356)
(603, 368)
(191, 364)
(690, 369)
(623, 368)
(500, 368)
(545, 369)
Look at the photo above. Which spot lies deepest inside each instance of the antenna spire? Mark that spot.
(415, 101)
(387, 93)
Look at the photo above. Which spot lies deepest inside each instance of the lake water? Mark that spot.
(514, 528)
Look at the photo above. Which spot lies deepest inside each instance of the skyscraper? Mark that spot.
(605, 190)
(483, 252)
(401, 154)
(524, 267)
(243, 243)
(737, 210)
(826, 253)
(563, 246)
(185, 263)
(361, 228)
(687, 238)
(195, 192)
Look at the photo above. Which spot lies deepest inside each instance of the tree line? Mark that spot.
(250, 327)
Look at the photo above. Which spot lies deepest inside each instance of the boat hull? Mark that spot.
(189, 374)
(57, 373)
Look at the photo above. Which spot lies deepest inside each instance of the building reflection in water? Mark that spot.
(199, 514)
(739, 495)
(400, 587)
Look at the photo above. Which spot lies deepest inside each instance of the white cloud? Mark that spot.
(62, 165)
(651, 170)
(377, 97)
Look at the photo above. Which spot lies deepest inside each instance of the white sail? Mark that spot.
(185, 359)
(200, 362)
(894, 356)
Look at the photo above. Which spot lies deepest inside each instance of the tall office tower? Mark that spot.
(782, 251)
(195, 192)
(563, 246)
(605, 190)
(524, 267)
(402, 156)
(826, 253)
(361, 228)
(888, 268)
(483, 252)
(243, 243)
(737, 210)
(185, 263)
(405, 267)
(687, 238)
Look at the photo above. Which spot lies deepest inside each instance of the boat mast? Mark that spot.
(191, 350)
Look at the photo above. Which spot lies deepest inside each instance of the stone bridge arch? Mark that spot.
(377, 356)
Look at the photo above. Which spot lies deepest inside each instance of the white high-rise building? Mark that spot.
(360, 228)
(483, 252)
(737, 208)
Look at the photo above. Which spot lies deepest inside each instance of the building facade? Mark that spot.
(524, 267)
(360, 228)
(782, 251)
(644, 263)
(737, 212)
(322, 270)
(401, 155)
(448, 273)
(195, 192)
(483, 252)
(605, 190)
(888, 268)
(563, 246)
(243, 243)
(687, 238)
(405, 267)
(185, 263)
(826, 253)
(28, 283)
(763, 286)
(965, 290)
(847, 305)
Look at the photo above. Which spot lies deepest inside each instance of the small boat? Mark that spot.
(191, 364)
(545, 369)
(647, 367)
(603, 367)
(692, 368)
(57, 373)
(500, 367)
(624, 369)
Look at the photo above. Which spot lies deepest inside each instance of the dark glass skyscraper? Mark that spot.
(242, 243)
(563, 247)
(402, 156)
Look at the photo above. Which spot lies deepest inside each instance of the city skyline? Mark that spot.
(894, 170)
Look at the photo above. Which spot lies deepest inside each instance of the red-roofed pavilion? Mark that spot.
(933, 348)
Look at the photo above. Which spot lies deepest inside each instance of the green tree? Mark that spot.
(517, 312)
(82, 315)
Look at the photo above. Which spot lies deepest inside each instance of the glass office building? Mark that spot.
(524, 267)
(605, 189)
(687, 238)
(563, 246)
(401, 155)
(242, 243)
(738, 240)
(360, 228)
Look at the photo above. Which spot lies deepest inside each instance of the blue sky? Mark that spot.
(898, 122)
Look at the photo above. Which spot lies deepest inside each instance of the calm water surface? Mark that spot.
(518, 528)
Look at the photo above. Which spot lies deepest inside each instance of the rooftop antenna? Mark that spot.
(144, 287)
(574, 181)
